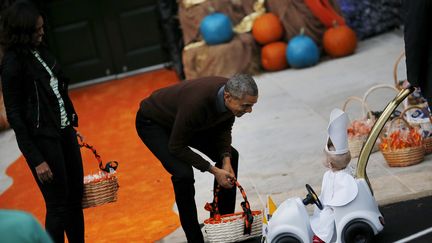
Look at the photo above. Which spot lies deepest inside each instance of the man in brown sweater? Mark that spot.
(200, 114)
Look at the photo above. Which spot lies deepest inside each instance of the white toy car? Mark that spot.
(357, 221)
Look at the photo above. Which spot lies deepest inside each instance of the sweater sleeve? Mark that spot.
(182, 133)
(14, 100)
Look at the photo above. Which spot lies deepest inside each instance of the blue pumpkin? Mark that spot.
(216, 28)
(302, 52)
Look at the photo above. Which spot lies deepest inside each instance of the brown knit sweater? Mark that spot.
(186, 109)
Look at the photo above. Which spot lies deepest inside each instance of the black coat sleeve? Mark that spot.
(15, 104)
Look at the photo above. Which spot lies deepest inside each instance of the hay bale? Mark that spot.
(190, 16)
(240, 55)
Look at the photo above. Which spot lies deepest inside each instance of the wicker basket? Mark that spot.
(355, 143)
(101, 192)
(232, 227)
(424, 124)
(427, 144)
(104, 188)
(405, 156)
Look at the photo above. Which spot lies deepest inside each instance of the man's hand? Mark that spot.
(226, 165)
(223, 177)
(44, 173)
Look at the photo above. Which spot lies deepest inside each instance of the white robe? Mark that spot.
(338, 189)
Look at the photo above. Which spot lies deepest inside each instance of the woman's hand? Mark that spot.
(44, 173)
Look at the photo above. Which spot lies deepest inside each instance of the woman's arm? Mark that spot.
(14, 99)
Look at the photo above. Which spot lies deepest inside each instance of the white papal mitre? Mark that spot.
(337, 132)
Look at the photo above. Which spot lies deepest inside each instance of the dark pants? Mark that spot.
(156, 139)
(63, 195)
(418, 45)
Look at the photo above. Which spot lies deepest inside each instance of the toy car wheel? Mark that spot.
(360, 232)
(285, 238)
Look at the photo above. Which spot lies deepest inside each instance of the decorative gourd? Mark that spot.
(339, 41)
(216, 28)
(267, 28)
(302, 51)
(273, 56)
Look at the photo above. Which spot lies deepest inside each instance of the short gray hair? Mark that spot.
(240, 85)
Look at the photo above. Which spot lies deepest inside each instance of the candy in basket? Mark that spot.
(358, 130)
(402, 145)
(232, 227)
(419, 116)
(101, 187)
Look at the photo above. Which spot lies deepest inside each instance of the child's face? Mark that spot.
(327, 161)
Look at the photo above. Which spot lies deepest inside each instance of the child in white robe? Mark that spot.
(338, 185)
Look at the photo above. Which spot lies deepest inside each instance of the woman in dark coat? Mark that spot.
(42, 116)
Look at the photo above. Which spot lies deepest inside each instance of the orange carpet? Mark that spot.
(143, 212)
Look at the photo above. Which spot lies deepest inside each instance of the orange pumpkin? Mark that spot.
(273, 56)
(339, 41)
(267, 28)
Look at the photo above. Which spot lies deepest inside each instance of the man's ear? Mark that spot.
(227, 95)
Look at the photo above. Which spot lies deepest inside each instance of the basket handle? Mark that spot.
(214, 209)
(364, 105)
(378, 86)
(109, 167)
(395, 77)
(392, 122)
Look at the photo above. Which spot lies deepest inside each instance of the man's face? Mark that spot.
(239, 106)
(39, 32)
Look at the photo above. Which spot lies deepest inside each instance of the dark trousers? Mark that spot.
(418, 44)
(63, 195)
(156, 139)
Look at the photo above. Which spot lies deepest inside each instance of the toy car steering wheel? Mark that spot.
(312, 197)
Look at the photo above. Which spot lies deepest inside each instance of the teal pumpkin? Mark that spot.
(302, 52)
(216, 28)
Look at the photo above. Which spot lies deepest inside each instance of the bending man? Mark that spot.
(198, 113)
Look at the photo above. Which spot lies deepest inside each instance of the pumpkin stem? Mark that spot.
(335, 23)
(211, 9)
(302, 30)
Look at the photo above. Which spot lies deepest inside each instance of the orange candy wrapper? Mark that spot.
(359, 128)
(400, 139)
